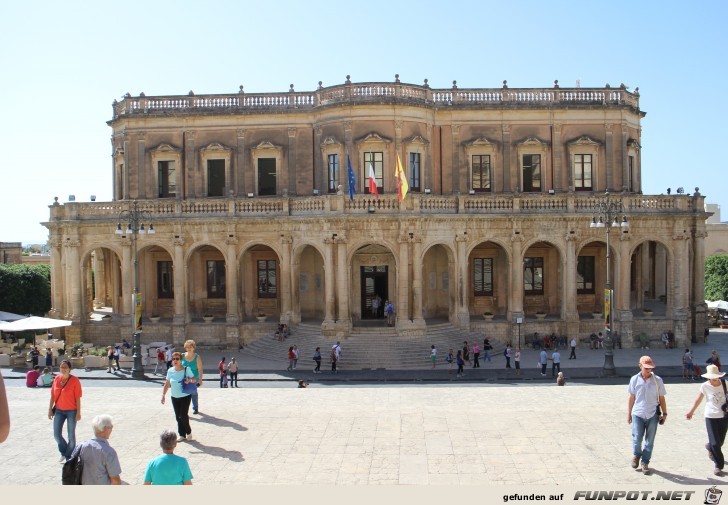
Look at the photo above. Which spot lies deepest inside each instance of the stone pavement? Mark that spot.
(430, 432)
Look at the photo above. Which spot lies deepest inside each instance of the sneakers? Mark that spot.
(189, 436)
(635, 461)
(194, 412)
(717, 471)
(645, 468)
(181, 438)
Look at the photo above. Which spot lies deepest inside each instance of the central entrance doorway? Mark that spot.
(373, 285)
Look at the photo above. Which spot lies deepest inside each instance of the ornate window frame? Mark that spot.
(416, 144)
(266, 149)
(330, 145)
(533, 145)
(584, 145)
(481, 146)
(216, 151)
(373, 142)
(166, 152)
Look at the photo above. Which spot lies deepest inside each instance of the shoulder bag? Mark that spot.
(658, 411)
(188, 388)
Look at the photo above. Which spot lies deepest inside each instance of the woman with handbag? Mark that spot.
(65, 407)
(193, 360)
(181, 381)
(716, 423)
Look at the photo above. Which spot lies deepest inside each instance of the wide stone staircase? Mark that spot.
(370, 347)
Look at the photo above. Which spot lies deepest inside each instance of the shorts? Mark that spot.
(433, 358)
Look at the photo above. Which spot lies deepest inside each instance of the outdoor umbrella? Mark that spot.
(718, 304)
(9, 316)
(34, 323)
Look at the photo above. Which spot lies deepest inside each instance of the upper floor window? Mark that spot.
(267, 176)
(583, 172)
(414, 166)
(216, 279)
(215, 177)
(333, 172)
(167, 177)
(483, 276)
(531, 173)
(630, 175)
(533, 276)
(585, 275)
(481, 173)
(376, 159)
(165, 279)
(267, 285)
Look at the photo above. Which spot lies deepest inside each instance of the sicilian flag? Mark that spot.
(372, 182)
(402, 186)
(352, 179)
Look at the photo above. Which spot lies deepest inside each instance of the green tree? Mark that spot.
(716, 277)
(25, 289)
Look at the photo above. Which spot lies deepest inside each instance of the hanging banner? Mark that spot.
(607, 307)
(137, 301)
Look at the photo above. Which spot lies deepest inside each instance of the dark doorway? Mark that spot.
(215, 177)
(267, 176)
(373, 284)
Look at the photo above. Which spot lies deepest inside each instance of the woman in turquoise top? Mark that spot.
(176, 376)
(192, 360)
(167, 468)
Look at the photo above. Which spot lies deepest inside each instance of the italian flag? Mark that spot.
(372, 182)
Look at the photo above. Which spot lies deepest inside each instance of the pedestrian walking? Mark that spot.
(295, 356)
(476, 355)
(117, 357)
(508, 353)
(376, 301)
(168, 356)
(192, 360)
(49, 359)
(542, 360)
(573, 348)
(334, 358)
(389, 311)
(65, 408)
(291, 358)
(555, 363)
(466, 352)
(168, 468)
(646, 394)
(222, 368)
(337, 349)
(433, 355)
(450, 359)
(110, 358)
(317, 359)
(487, 347)
(716, 422)
(461, 363)
(688, 367)
(100, 461)
(34, 355)
(233, 370)
(176, 377)
(160, 361)
(517, 360)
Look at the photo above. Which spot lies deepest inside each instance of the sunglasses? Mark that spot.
(175, 359)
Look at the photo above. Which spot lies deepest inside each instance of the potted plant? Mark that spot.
(540, 315)
(261, 317)
(155, 318)
(208, 317)
(488, 316)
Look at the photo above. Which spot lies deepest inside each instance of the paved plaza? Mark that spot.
(394, 430)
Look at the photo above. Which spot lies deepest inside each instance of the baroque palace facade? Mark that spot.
(248, 196)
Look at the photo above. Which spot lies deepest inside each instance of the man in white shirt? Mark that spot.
(646, 393)
(573, 348)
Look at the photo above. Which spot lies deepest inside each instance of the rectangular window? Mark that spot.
(533, 276)
(630, 175)
(531, 173)
(167, 176)
(216, 279)
(267, 285)
(414, 170)
(267, 176)
(215, 177)
(585, 275)
(483, 276)
(481, 173)
(583, 172)
(165, 279)
(333, 165)
(377, 161)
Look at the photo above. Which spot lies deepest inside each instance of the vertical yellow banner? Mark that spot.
(137, 299)
(607, 307)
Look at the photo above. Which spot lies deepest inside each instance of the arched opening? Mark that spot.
(311, 301)
(373, 276)
(542, 280)
(260, 271)
(488, 280)
(206, 283)
(437, 294)
(649, 279)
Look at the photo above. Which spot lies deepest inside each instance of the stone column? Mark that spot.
(180, 283)
(457, 175)
(241, 165)
(558, 153)
(417, 282)
(461, 282)
(231, 280)
(329, 275)
(699, 307)
(515, 299)
(285, 279)
(609, 155)
(508, 179)
(57, 299)
(569, 309)
(99, 269)
(320, 168)
(291, 175)
(190, 164)
(126, 173)
(73, 278)
(127, 275)
(343, 166)
(141, 169)
(342, 287)
(681, 288)
(623, 315)
(427, 180)
(625, 158)
(403, 284)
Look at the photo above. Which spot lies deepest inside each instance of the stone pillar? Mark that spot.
(681, 289)
(625, 159)
(180, 282)
(285, 279)
(190, 164)
(241, 165)
(127, 169)
(622, 314)
(320, 169)
(99, 269)
(342, 288)
(558, 153)
(515, 297)
(461, 282)
(329, 294)
(456, 168)
(127, 275)
(141, 169)
(73, 278)
(569, 309)
(699, 307)
(291, 175)
(403, 284)
(231, 280)
(428, 181)
(344, 166)
(57, 299)
(417, 282)
(609, 155)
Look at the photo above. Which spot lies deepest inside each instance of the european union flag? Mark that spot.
(352, 179)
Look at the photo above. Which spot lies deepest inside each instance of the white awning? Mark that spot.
(35, 323)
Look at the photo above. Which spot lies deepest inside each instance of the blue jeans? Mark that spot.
(194, 400)
(646, 429)
(486, 356)
(69, 417)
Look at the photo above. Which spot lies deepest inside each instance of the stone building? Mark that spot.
(249, 197)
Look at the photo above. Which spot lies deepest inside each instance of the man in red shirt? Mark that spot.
(31, 378)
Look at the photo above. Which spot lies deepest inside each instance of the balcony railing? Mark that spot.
(388, 204)
(373, 91)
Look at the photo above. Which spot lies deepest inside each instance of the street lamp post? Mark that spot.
(135, 227)
(606, 214)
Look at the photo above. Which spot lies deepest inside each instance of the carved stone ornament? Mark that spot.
(119, 152)
(479, 142)
(215, 146)
(584, 140)
(532, 141)
(416, 139)
(373, 137)
(165, 148)
(265, 144)
(633, 143)
(330, 141)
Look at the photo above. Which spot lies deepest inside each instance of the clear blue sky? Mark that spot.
(63, 63)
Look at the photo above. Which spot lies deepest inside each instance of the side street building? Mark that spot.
(248, 195)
